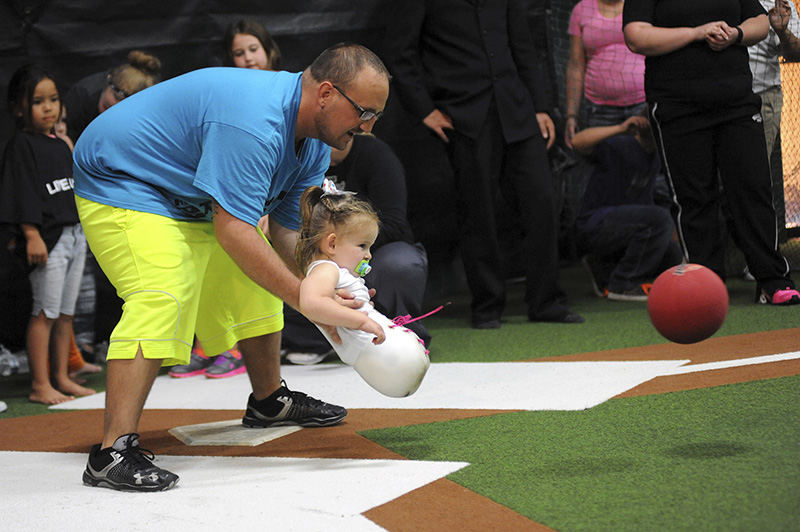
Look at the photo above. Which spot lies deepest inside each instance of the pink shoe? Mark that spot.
(227, 364)
(197, 366)
(783, 296)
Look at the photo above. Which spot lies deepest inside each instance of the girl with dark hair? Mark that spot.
(37, 198)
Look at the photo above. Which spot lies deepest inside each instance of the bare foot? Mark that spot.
(87, 367)
(48, 396)
(73, 388)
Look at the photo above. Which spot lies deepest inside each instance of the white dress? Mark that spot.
(395, 367)
(353, 340)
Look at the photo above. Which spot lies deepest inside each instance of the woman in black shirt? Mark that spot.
(709, 130)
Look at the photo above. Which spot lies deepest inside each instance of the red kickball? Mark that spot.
(687, 303)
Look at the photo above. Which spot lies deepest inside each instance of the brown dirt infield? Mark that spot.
(441, 505)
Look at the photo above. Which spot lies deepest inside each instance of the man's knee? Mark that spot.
(401, 262)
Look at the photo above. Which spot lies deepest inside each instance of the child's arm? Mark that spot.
(585, 140)
(317, 303)
(36, 248)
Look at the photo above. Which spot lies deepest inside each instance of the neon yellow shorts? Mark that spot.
(176, 281)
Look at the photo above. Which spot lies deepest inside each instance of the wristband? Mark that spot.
(740, 36)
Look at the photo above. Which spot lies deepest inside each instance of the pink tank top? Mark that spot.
(614, 75)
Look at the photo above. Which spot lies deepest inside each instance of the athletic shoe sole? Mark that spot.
(255, 423)
(237, 371)
(190, 374)
(89, 480)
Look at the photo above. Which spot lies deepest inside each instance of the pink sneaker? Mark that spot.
(197, 366)
(227, 364)
(783, 296)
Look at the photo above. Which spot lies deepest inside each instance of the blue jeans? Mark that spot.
(610, 115)
(635, 241)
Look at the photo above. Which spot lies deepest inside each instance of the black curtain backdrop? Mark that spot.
(75, 38)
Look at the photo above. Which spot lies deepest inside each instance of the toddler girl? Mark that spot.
(333, 249)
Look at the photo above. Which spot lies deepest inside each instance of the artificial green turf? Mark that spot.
(724, 458)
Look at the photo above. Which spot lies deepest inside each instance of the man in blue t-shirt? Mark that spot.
(170, 185)
(628, 238)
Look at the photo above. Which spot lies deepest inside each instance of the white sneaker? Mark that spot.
(3, 406)
(308, 359)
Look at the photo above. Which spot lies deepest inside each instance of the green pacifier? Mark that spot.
(363, 268)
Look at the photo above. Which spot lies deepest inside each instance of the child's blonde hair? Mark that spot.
(321, 213)
(140, 72)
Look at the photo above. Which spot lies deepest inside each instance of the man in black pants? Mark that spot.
(468, 69)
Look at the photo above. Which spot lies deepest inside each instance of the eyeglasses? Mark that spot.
(119, 94)
(365, 115)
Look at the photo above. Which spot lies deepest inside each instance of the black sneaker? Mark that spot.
(126, 466)
(285, 407)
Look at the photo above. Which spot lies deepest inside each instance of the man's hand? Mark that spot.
(437, 121)
(547, 128)
(343, 297)
(779, 16)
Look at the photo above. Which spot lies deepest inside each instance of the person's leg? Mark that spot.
(159, 280)
(399, 274)
(235, 309)
(645, 233)
(686, 147)
(120, 463)
(746, 180)
(300, 336)
(75, 361)
(476, 168)
(262, 358)
(85, 309)
(47, 287)
(128, 383)
(528, 183)
(63, 336)
(771, 109)
(60, 338)
(37, 343)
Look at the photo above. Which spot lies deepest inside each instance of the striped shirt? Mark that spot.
(764, 55)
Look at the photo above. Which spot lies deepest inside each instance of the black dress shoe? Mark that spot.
(565, 317)
(486, 324)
